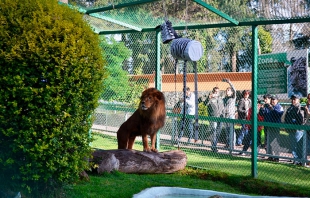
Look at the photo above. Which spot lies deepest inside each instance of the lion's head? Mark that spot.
(152, 103)
(146, 101)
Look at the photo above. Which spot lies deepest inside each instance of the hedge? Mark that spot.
(51, 77)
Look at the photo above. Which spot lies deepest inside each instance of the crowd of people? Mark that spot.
(268, 110)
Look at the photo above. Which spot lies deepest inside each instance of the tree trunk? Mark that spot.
(234, 62)
(132, 161)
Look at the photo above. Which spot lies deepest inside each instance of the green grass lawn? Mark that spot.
(270, 171)
(120, 185)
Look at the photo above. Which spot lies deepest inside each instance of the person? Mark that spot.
(243, 107)
(272, 111)
(214, 103)
(189, 110)
(229, 112)
(277, 112)
(295, 114)
(307, 111)
(248, 137)
(176, 120)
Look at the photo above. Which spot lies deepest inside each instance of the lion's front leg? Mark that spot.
(153, 141)
(146, 147)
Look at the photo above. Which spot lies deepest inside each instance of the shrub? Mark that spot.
(51, 75)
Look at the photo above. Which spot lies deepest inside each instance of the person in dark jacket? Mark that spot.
(272, 111)
(295, 114)
(215, 107)
(244, 105)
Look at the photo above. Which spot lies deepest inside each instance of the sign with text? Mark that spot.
(272, 73)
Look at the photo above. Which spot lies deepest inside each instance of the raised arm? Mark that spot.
(232, 86)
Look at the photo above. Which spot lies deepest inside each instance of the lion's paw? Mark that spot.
(154, 150)
(147, 150)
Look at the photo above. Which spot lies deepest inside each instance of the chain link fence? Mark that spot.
(225, 140)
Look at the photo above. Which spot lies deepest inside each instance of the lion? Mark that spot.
(146, 120)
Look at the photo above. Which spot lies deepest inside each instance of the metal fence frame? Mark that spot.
(169, 132)
(231, 22)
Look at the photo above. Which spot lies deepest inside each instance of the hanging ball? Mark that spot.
(186, 49)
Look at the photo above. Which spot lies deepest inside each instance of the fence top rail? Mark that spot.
(125, 108)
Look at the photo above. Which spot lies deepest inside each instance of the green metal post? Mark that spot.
(158, 72)
(254, 99)
(158, 77)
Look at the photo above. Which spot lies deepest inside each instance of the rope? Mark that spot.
(165, 11)
(196, 98)
(186, 16)
(184, 103)
(175, 100)
(184, 97)
(175, 80)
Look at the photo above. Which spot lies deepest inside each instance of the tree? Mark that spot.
(234, 35)
(119, 86)
(51, 76)
(143, 52)
(265, 40)
(116, 85)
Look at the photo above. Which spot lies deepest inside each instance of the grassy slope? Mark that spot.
(120, 185)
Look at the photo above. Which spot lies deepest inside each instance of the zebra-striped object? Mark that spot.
(186, 49)
(167, 32)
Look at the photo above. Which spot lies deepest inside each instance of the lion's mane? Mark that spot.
(146, 120)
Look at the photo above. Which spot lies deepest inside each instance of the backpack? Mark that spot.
(295, 115)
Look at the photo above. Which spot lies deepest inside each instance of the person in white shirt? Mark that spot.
(189, 110)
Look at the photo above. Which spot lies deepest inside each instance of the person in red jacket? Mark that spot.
(248, 139)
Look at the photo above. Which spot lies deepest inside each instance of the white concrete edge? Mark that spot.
(161, 191)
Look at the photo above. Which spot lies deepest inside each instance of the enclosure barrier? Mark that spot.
(266, 40)
(108, 118)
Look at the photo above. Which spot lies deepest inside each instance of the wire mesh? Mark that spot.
(141, 15)
(282, 144)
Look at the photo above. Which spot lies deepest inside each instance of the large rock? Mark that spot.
(133, 161)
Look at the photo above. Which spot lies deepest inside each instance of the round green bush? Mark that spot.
(51, 77)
